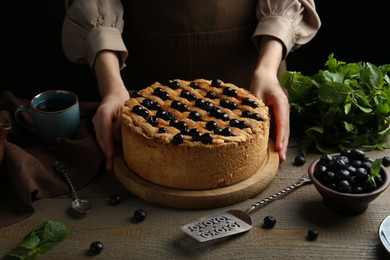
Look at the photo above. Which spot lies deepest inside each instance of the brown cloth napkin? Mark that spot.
(26, 172)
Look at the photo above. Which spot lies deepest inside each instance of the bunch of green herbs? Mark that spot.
(346, 105)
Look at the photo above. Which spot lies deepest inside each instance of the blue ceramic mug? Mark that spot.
(51, 114)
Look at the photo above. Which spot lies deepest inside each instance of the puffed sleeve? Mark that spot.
(293, 22)
(91, 26)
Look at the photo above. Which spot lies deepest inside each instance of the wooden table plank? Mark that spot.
(160, 237)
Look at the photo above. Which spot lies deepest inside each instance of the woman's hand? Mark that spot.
(114, 94)
(107, 125)
(265, 84)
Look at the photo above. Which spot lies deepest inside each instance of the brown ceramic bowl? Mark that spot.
(347, 203)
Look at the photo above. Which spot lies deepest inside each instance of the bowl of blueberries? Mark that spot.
(350, 180)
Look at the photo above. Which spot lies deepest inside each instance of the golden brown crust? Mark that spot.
(192, 163)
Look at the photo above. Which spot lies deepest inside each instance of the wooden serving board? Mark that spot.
(199, 199)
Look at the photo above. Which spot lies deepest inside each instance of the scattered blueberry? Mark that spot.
(269, 222)
(299, 160)
(386, 161)
(96, 247)
(139, 215)
(115, 199)
(312, 234)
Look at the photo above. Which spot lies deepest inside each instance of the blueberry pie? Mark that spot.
(194, 135)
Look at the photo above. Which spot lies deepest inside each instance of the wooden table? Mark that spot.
(160, 237)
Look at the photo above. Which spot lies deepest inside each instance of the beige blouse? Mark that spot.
(94, 25)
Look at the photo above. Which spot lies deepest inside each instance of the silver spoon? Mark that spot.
(79, 205)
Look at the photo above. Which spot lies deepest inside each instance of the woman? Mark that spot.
(131, 44)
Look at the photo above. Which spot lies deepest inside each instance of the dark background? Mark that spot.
(33, 60)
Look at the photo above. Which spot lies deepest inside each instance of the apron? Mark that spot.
(189, 39)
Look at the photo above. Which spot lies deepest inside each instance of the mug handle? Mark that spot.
(19, 118)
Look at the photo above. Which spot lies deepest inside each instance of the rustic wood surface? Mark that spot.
(160, 237)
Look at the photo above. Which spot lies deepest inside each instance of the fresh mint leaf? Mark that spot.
(304, 83)
(359, 97)
(30, 242)
(40, 240)
(51, 233)
(333, 92)
(375, 170)
(371, 76)
(349, 127)
(347, 108)
(376, 167)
